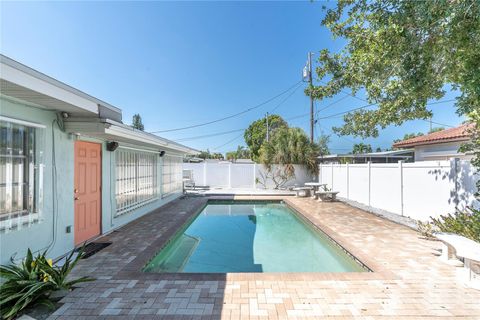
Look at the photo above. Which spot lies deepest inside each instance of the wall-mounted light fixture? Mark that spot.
(162, 153)
(112, 145)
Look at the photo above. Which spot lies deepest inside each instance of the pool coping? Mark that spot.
(133, 270)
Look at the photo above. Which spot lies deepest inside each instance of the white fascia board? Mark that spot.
(67, 90)
(126, 132)
(30, 82)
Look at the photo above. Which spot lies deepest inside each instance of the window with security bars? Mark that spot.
(172, 175)
(136, 179)
(20, 173)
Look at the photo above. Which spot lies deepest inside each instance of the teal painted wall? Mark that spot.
(39, 236)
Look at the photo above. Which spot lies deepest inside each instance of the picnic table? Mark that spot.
(316, 186)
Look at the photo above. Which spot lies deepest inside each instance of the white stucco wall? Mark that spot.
(440, 151)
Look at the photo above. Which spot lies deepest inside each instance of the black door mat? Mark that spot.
(94, 247)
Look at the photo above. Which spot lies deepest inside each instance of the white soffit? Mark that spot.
(31, 89)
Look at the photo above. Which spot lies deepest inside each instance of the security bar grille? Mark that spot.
(172, 175)
(20, 174)
(136, 179)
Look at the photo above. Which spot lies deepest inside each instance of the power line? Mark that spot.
(230, 116)
(348, 111)
(291, 94)
(354, 109)
(440, 124)
(331, 104)
(231, 131)
(209, 135)
(228, 142)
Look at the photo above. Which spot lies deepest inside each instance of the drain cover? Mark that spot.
(94, 247)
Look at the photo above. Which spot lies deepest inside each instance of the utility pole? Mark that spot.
(268, 129)
(311, 96)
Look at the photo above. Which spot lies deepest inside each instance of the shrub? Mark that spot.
(426, 229)
(465, 223)
(31, 282)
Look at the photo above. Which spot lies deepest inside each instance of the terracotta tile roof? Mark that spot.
(460, 133)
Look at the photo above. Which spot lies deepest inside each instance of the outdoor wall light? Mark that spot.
(112, 145)
(162, 153)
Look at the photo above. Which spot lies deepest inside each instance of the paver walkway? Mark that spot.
(419, 286)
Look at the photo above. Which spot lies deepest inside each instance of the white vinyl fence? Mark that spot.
(239, 175)
(417, 190)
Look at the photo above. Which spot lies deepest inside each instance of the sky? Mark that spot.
(180, 64)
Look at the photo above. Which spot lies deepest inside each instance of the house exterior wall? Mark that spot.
(40, 235)
(440, 151)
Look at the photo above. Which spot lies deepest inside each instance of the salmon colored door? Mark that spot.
(87, 190)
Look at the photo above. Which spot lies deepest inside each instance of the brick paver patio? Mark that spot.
(409, 281)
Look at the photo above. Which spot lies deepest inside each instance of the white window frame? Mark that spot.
(32, 197)
(133, 169)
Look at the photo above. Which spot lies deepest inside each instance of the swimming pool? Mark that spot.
(260, 236)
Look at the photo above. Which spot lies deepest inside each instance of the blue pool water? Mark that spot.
(250, 237)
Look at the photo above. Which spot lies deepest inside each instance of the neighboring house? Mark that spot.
(373, 157)
(193, 160)
(70, 170)
(250, 161)
(440, 145)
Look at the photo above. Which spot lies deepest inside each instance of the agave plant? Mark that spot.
(58, 275)
(24, 286)
(32, 282)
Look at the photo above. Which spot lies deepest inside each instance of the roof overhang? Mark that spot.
(427, 143)
(37, 89)
(110, 130)
(384, 154)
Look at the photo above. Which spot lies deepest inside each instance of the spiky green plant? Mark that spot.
(24, 286)
(31, 282)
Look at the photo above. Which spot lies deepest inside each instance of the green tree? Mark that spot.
(289, 146)
(208, 155)
(378, 149)
(240, 153)
(408, 136)
(361, 148)
(231, 155)
(436, 129)
(323, 141)
(402, 53)
(137, 122)
(256, 134)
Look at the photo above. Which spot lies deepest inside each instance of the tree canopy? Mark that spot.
(436, 129)
(206, 154)
(256, 133)
(290, 146)
(361, 148)
(408, 136)
(402, 53)
(240, 153)
(137, 122)
(323, 141)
